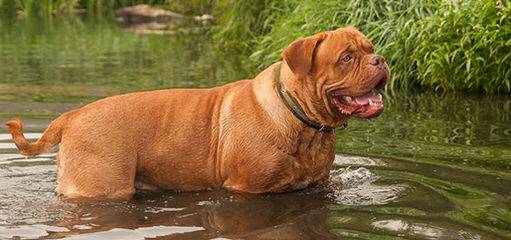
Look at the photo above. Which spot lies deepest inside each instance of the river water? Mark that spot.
(432, 166)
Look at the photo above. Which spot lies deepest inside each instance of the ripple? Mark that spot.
(162, 209)
(29, 231)
(138, 233)
(348, 160)
(41, 230)
(424, 230)
(7, 146)
(27, 192)
(355, 187)
(29, 136)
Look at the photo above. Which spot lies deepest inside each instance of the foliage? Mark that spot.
(467, 47)
(190, 7)
(240, 23)
(448, 45)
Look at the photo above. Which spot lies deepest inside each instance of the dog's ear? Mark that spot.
(298, 55)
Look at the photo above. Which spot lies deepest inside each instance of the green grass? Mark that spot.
(467, 47)
(442, 45)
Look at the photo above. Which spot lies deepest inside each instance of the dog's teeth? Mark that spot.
(348, 98)
(370, 102)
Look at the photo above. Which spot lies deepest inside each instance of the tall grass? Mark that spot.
(190, 7)
(467, 46)
(447, 45)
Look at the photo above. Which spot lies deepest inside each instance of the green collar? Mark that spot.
(293, 106)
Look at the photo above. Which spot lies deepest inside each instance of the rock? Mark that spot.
(143, 11)
(205, 19)
(146, 28)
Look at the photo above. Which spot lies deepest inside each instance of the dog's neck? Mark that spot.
(271, 101)
(317, 107)
(292, 104)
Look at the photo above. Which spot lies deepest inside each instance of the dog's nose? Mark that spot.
(376, 60)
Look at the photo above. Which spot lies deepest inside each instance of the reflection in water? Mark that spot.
(194, 215)
(466, 130)
(30, 209)
(80, 59)
(210, 214)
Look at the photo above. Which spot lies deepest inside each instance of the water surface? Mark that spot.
(432, 166)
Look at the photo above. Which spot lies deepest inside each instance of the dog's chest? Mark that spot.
(312, 158)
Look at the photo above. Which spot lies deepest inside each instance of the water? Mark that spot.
(432, 166)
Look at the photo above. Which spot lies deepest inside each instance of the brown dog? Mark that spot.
(244, 136)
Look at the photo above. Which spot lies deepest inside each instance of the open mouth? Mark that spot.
(367, 106)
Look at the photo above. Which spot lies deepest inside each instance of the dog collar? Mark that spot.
(293, 106)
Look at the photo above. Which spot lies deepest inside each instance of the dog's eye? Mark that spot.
(346, 58)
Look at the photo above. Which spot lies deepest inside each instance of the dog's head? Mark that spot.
(335, 74)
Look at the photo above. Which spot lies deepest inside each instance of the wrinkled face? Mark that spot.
(345, 71)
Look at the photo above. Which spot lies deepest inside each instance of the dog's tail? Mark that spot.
(50, 138)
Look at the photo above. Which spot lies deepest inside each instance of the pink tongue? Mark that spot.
(364, 100)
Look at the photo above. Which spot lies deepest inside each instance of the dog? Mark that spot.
(275, 133)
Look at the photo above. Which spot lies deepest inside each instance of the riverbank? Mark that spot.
(443, 45)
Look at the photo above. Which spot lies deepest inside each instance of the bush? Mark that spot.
(447, 45)
(465, 46)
